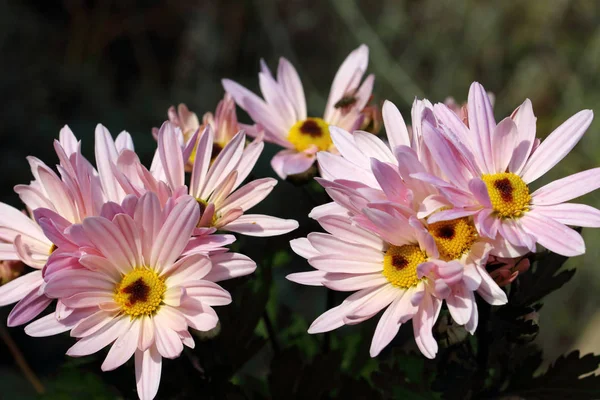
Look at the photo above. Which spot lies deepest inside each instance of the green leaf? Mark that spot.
(561, 381)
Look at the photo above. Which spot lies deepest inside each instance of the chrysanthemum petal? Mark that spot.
(567, 188)
(553, 235)
(261, 225)
(557, 145)
(148, 365)
(572, 214)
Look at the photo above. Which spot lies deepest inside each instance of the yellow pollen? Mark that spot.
(52, 249)
(140, 292)
(508, 193)
(400, 265)
(453, 238)
(308, 132)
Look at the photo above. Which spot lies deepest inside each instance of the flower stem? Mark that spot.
(271, 332)
(20, 360)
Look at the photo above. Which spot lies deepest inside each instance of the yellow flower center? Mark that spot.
(508, 193)
(203, 205)
(140, 292)
(52, 249)
(311, 131)
(453, 238)
(400, 265)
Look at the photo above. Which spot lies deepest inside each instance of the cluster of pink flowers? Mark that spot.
(415, 221)
(131, 257)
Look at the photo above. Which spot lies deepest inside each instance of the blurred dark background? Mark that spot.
(123, 63)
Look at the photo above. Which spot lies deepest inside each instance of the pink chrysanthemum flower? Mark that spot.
(216, 185)
(489, 167)
(282, 114)
(399, 271)
(24, 238)
(224, 124)
(135, 290)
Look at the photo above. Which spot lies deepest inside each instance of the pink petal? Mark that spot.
(102, 338)
(303, 248)
(148, 366)
(513, 232)
(447, 156)
(248, 160)
(553, 235)
(175, 233)
(148, 216)
(109, 239)
(373, 147)
(146, 334)
(290, 162)
(226, 161)
(344, 142)
(380, 299)
(351, 282)
(311, 278)
(198, 316)
(124, 347)
(276, 98)
(460, 304)
(208, 293)
(124, 141)
(70, 282)
(393, 229)
(93, 323)
(191, 267)
(261, 225)
(329, 244)
(390, 182)
(481, 123)
(347, 77)
(567, 188)
(28, 308)
(256, 107)
(202, 162)
(106, 154)
(571, 214)
(89, 298)
(292, 86)
(423, 323)
(16, 289)
(344, 263)
(395, 127)
(489, 290)
(167, 341)
(526, 127)
(170, 155)
(503, 144)
(557, 145)
(343, 228)
(334, 167)
(387, 327)
(230, 265)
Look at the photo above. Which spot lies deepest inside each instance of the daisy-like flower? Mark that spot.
(489, 167)
(216, 185)
(24, 239)
(134, 289)
(399, 268)
(223, 122)
(282, 114)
